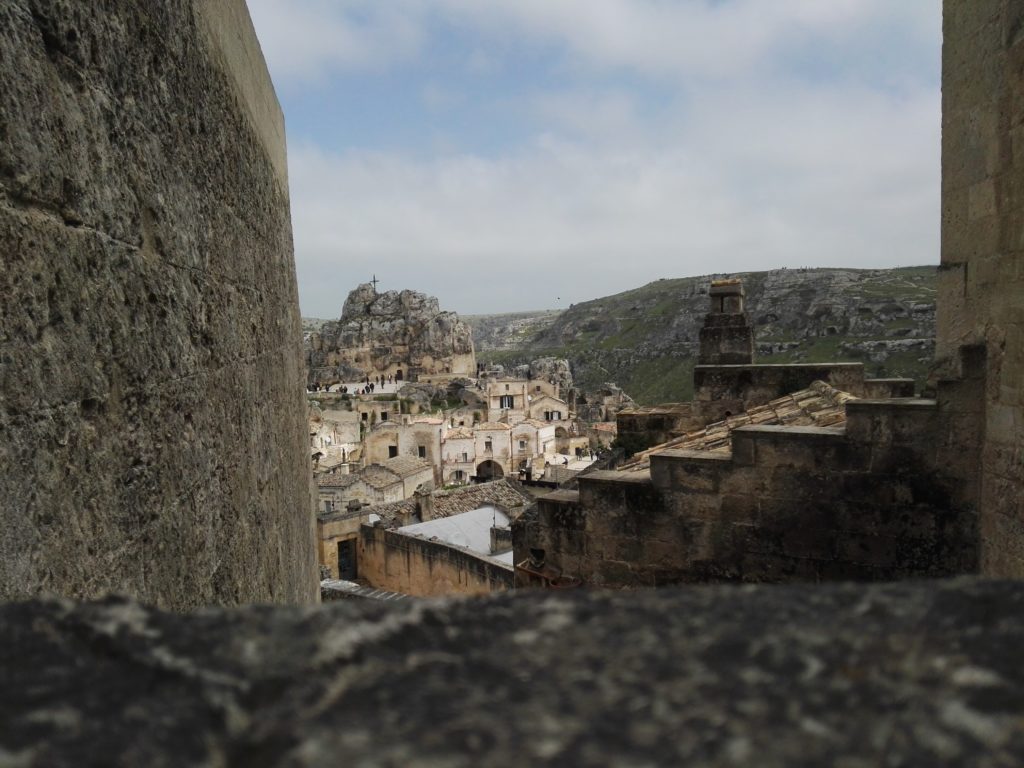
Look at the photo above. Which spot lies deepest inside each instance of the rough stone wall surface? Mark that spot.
(152, 423)
(981, 278)
(413, 566)
(911, 674)
(887, 498)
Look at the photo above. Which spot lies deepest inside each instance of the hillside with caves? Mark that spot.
(646, 339)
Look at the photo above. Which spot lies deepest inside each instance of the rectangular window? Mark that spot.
(392, 451)
(488, 446)
(422, 451)
(522, 445)
(465, 456)
(506, 401)
(366, 416)
(383, 415)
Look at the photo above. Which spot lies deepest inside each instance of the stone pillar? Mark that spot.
(981, 278)
(726, 338)
(152, 417)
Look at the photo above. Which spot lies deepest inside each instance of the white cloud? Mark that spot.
(761, 153)
(308, 40)
(752, 184)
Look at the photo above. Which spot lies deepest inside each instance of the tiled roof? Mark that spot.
(817, 406)
(336, 480)
(393, 513)
(378, 477)
(340, 417)
(500, 493)
(492, 425)
(605, 426)
(404, 466)
(462, 433)
(536, 423)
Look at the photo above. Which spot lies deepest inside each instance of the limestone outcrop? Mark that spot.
(403, 334)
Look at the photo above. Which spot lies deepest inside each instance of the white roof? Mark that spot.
(471, 530)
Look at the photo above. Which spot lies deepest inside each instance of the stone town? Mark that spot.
(375, 378)
(155, 443)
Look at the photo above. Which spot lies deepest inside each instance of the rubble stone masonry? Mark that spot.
(152, 423)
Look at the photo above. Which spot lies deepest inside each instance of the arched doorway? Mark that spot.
(489, 470)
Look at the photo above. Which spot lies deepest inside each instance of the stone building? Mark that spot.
(458, 456)
(413, 436)
(773, 482)
(469, 553)
(507, 400)
(533, 442)
(332, 430)
(546, 407)
(345, 556)
(391, 480)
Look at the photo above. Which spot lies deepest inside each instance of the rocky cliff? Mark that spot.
(646, 339)
(397, 333)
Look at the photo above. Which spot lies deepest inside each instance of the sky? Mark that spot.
(513, 155)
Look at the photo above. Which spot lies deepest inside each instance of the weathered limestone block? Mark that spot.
(152, 425)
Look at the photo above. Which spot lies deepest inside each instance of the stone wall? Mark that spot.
(152, 423)
(887, 497)
(981, 278)
(413, 566)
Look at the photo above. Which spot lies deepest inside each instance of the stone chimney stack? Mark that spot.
(424, 502)
(726, 338)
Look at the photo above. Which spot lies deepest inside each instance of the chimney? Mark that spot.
(726, 338)
(424, 496)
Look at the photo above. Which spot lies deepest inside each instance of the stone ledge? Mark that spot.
(899, 674)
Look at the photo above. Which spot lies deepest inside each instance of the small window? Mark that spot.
(383, 415)
(392, 451)
(507, 401)
(459, 475)
(465, 456)
(522, 445)
(538, 387)
(488, 446)
(506, 387)
(422, 451)
(366, 417)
